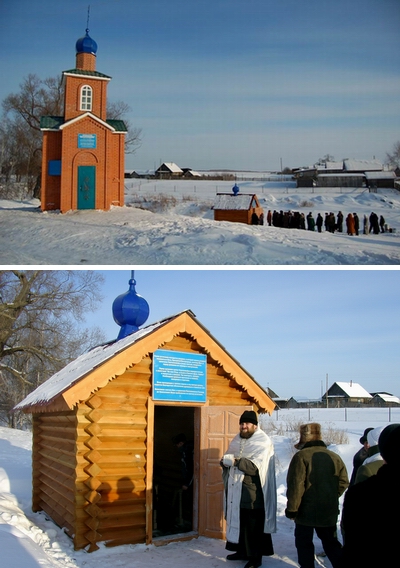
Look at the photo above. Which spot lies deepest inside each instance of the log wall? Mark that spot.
(90, 464)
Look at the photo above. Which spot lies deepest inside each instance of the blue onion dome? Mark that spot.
(86, 44)
(130, 310)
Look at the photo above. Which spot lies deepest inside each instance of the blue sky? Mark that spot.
(287, 328)
(228, 83)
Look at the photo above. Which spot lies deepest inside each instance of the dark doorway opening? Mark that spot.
(173, 470)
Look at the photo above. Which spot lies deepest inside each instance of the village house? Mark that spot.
(168, 170)
(349, 394)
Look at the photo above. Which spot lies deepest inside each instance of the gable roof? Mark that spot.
(362, 165)
(229, 201)
(58, 122)
(171, 166)
(93, 370)
(387, 397)
(353, 390)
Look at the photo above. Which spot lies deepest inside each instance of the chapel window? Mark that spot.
(86, 97)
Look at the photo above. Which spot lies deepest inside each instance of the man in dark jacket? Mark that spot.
(316, 479)
(370, 511)
(360, 456)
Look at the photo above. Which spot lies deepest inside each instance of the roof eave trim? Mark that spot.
(87, 115)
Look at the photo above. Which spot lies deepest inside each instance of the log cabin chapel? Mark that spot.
(105, 465)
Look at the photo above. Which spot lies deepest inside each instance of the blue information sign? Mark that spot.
(179, 376)
(87, 140)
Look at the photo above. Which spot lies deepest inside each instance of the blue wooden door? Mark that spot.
(86, 187)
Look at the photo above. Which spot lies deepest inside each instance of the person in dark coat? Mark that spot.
(186, 452)
(254, 218)
(316, 479)
(356, 223)
(360, 456)
(374, 223)
(382, 223)
(374, 460)
(370, 518)
(310, 222)
(319, 222)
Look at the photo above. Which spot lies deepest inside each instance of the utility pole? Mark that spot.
(327, 404)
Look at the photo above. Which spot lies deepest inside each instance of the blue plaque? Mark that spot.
(87, 140)
(179, 376)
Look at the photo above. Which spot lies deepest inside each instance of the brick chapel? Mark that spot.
(83, 151)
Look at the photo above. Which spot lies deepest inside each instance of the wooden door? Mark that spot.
(218, 426)
(86, 187)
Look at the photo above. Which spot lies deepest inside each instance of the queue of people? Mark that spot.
(316, 479)
(330, 222)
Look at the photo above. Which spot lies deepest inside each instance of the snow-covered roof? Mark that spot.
(380, 175)
(341, 175)
(229, 201)
(330, 166)
(362, 165)
(81, 366)
(354, 390)
(172, 167)
(388, 397)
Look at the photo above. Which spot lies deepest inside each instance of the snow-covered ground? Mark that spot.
(171, 223)
(32, 540)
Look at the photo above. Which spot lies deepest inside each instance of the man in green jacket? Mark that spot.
(316, 478)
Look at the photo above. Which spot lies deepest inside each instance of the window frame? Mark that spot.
(86, 98)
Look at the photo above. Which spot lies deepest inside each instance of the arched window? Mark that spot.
(86, 97)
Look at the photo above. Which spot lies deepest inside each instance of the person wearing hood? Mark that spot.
(369, 514)
(248, 472)
(316, 478)
(374, 459)
(360, 456)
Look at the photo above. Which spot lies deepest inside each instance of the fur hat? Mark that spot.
(308, 433)
(249, 416)
(389, 444)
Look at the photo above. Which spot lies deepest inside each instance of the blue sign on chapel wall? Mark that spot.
(179, 376)
(87, 140)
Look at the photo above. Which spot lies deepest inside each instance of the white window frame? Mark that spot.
(86, 99)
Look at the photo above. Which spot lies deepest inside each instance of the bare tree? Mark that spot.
(41, 315)
(118, 110)
(393, 159)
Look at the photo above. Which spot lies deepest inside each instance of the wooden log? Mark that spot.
(120, 537)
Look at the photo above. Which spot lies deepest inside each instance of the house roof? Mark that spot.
(93, 370)
(362, 165)
(387, 397)
(83, 72)
(380, 175)
(229, 201)
(353, 390)
(171, 167)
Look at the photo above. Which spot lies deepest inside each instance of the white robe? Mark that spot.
(260, 451)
